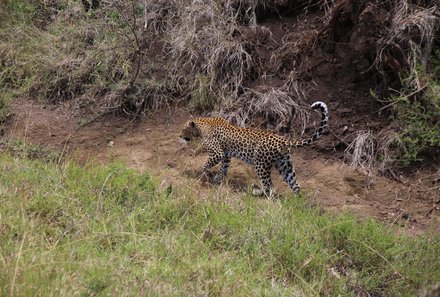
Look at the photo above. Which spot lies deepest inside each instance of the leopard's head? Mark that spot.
(190, 131)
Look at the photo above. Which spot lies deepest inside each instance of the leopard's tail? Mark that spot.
(321, 128)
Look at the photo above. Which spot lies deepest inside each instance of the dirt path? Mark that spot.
(152, 144)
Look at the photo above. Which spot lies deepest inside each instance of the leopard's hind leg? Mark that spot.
(263, 173)
(286, 169)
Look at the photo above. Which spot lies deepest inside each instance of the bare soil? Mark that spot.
(152, 144)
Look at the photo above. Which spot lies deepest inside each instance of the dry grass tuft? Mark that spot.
(371, 151)
(294, 45)
(389, 147)
(67, 79)
(158, 15)
(203, 43)
(362, 151)
(409, 40)
(274, 105)
(137, 99)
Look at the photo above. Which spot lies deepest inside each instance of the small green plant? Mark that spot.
(16, 11)
(202, 98)
(22, 149)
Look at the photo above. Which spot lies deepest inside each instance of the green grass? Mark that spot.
(97, 230)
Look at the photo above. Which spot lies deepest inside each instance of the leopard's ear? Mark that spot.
(192, 124)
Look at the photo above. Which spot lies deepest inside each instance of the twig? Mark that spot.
(396, 101)
(430, 189)
(417, 91)
(337, 137)
(138, 50)
(66, 141)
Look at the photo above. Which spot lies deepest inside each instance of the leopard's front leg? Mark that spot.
(214, 159)
(226, 161)
(215, 154)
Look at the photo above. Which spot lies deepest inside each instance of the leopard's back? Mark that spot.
(241, 143)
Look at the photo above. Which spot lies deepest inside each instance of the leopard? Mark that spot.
(262, 149)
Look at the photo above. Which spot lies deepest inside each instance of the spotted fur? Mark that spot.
(262, 149)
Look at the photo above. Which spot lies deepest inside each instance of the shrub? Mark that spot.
(419, 119)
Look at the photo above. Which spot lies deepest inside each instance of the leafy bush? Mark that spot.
(419, 118)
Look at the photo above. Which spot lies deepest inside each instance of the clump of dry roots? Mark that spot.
(370, 151)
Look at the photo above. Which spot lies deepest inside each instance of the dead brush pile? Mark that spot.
(202, 44)
(279, 108)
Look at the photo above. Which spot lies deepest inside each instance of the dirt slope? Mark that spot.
(151, 144)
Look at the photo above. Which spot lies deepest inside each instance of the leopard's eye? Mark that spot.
(186, 138)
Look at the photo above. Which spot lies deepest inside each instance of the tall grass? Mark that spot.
(107, 230)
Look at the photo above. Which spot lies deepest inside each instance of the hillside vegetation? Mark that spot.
(252, 61)
(98, 230)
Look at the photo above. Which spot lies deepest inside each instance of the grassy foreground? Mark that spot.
(107, 230)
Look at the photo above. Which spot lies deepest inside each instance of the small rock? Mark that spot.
(406, 216)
